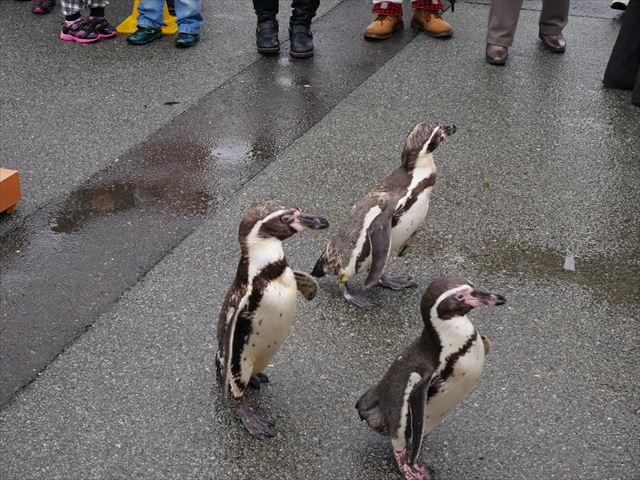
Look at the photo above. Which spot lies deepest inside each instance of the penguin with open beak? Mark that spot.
(260, 306)
(432, 375)
(385, 219)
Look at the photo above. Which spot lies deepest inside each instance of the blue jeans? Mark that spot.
(189, 19)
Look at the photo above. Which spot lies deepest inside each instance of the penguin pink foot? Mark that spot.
(410, 472)
(399, 282)
(256, 426)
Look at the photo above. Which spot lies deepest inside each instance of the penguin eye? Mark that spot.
(459, 296)
(287, 218)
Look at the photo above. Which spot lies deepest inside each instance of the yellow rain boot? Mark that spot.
(130, 24)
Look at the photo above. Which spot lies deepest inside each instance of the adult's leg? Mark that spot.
(303, 11)
(503, 20)
(624, 63)
(265, 9)
(554, 16)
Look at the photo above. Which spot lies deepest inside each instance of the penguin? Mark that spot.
(385, 219)
(260, 306)
(432, 375)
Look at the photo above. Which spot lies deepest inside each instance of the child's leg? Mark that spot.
(151, 13)
(76, 28)
(96, 18)
(71, 8)
(189, 17)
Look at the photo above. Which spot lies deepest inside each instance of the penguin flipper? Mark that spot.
(487, 344)
(415, 423)
(233, 314)
(307, 285)
(379, 234)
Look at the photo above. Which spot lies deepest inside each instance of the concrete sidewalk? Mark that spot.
(544, 164)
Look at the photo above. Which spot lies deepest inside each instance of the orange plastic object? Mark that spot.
(9, 190)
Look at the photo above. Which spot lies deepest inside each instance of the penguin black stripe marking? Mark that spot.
(450, 362)
(430, 181)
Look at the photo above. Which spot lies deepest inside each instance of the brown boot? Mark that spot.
(383, 26)
(431, 23)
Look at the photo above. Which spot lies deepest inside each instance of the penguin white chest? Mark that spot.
(466, 372)
(410, 220)
(272, 320)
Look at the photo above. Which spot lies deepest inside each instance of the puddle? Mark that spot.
(616, 278)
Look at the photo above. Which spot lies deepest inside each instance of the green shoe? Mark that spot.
(144, 35)
(186, 40)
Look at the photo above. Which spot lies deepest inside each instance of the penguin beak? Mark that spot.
(316, 223)
(487, 299)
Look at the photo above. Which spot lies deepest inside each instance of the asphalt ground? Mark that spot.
(118, 224)
(544, 164)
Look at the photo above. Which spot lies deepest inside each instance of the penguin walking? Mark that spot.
(432, 375)
(260, 306)
(385, 219)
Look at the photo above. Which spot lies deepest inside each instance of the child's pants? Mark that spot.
(189, 19)
(69, 7)
(394, 7)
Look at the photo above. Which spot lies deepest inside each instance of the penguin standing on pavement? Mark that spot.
(260, 306)
(385, 219)
(432, 375)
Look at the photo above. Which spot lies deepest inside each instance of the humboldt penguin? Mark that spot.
(260, 306)
(385, 219)
(432, 375)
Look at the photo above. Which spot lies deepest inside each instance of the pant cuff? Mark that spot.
(427, 5)
(387, 8)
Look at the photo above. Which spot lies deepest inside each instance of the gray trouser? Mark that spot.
(503, 19)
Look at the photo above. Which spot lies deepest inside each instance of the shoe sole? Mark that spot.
(143, 43)
(301, 54)
(495, 62)
(373, 36)
(269, 51)
(102, 36)
(418, 26)
(71, 38)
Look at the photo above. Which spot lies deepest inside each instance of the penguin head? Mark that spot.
(455, 297)
(423, 139)
(273, 219)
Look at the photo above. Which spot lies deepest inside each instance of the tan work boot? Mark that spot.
(383, 26)
(431, 23)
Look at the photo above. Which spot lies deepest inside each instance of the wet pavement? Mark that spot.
(543, 166)
(67, 264)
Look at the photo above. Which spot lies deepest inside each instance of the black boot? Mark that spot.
(300, 36)
(300, 41)
(267, 36)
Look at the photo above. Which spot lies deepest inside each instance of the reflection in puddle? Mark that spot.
(88, 203)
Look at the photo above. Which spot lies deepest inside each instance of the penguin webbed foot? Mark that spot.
(399, 282)
(257, 380)
(256, 426)
(410, 472)
(360, 300)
